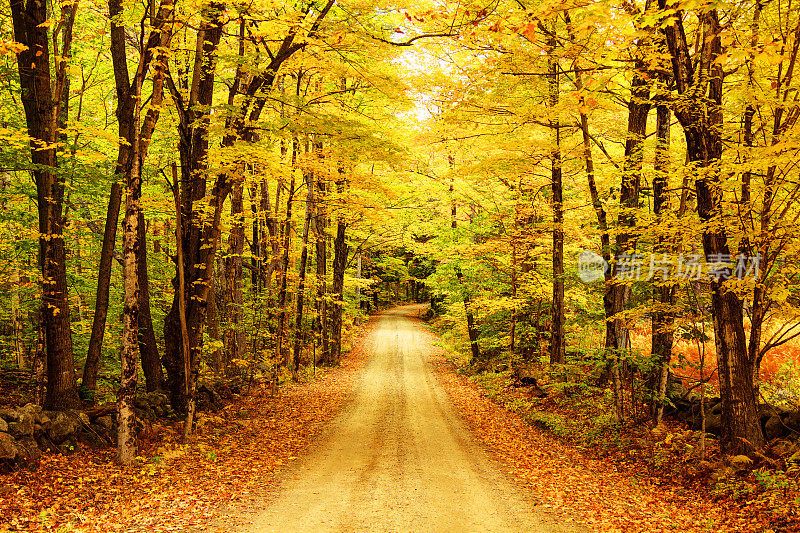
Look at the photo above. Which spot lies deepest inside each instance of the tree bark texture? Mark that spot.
(301, 285)
(700, 114)
(557, 349)
(42, 111)
(321, 245)
(148, 347)
(233, 275)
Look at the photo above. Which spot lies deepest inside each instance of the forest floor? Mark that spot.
(393, 440)
(206, 484)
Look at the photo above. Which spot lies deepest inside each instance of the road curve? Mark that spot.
(398, 458)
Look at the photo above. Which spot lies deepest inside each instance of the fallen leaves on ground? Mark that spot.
(200, 486)
(569, 483)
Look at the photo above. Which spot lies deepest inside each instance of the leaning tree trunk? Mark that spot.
(92, 365)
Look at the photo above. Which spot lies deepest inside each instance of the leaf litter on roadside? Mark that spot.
(572, 484)
(176, 486)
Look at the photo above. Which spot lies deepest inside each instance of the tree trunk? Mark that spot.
(92, 365)
(557, 350)
(320, 233)
(200, 231)
(602, 217)
(339, 262)
(43, 114)
(132, 150)
(702, 122)
(283, 348)
(148, 347)
(39, 364)
(126, 419)
(233, 276)
(17, 316)
(663, 290)
(298, 326)
(472, 333)
(359, 273)
(256, 250)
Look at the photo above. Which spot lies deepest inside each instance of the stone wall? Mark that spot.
(777, 422)
(27, 432)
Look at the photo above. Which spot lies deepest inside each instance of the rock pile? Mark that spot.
(26, 432)
(777, 422)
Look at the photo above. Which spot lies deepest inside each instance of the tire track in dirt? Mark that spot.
(399, 457)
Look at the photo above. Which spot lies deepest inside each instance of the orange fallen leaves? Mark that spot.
(571, 484)
(178, 487)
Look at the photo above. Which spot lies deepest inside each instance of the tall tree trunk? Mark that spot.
(359, 273)
(256, 249)
(283, 348)
(148, 347)
(92, 365)
(320, 233)
(200, 229)
(339, 263)
(663, 290)
(181, 290)
(273, 228)
(301, 285)
(557, 350)
(132, 150)
(43, 114)
(146, 336)
(233, 276)
(126, 419)
(472, 332)
(702, 122)
(514, 283)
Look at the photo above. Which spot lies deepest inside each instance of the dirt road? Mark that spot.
(399, 458)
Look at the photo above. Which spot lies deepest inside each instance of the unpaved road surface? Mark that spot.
(399, 458)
